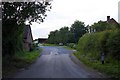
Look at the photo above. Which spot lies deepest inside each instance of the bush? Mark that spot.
(92, 44)
(71, 45)
(113, 44)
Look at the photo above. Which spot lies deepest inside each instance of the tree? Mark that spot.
(103, 25)
(59, 36)
(14, 16)
(100, 26)
(51, 37)
(71, 38)
(22, 11)
(64, 34)
(78, 29)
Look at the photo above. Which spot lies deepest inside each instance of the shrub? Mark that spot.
(72, 45)
(113, 44)
(92, 44)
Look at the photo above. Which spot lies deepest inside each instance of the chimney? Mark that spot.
(108, 18)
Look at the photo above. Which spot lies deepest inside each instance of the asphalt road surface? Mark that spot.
(55, 62)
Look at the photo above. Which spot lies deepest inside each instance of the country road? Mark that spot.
(55, 62)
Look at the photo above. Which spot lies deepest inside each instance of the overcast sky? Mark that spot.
(65, 12)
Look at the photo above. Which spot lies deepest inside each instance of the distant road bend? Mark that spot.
(55, 62)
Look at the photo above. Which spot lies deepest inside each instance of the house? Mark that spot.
(112, 21)
(27, 38)
(42, 40)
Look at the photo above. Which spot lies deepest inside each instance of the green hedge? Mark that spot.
(113, 44)
(92, 44)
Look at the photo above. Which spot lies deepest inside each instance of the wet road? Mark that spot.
(55, 62)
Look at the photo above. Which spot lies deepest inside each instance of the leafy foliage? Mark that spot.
(22, 11)
(113, 44)
(79, 29)
(72, 45)
(102, 26)
(103, 37)
(60, 36)
(91, 44)
(66, 35)
(14, 16)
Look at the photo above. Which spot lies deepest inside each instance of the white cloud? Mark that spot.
(65, 12)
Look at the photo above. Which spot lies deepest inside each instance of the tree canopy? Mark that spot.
(68, 35)
(22, 11)
(14, 16)
(79, 29)
(102, 26)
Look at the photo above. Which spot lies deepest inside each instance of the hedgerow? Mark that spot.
(93, 44)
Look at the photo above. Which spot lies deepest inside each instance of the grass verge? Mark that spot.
(49, 44)
(20, 60)
(67, 47)
(111, 69)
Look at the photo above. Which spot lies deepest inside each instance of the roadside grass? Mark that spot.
(67, 47)
(49, 45)
(19, 61)
(111, 69)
